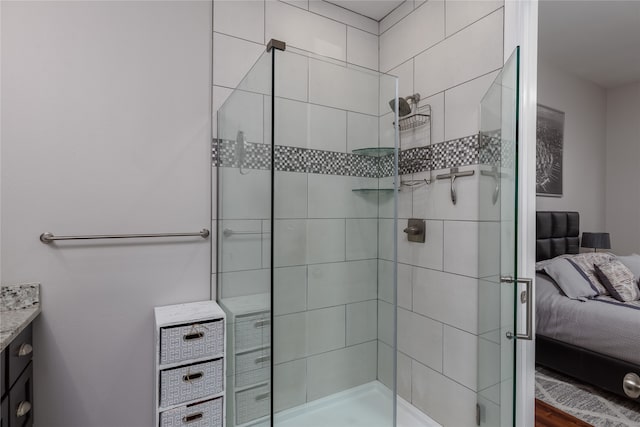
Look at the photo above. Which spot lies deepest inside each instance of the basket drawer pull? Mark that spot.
(25, 350)
(262, 396)
(193, 336)
(191, 418)
(23, 409)
(191, 377)
(261, 323)
(262, 359)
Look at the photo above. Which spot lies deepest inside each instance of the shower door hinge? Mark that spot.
(477, 414)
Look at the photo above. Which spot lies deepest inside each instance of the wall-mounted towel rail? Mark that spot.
(453, 174)
(49, 237)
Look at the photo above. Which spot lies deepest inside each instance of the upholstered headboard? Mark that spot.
(557, 233)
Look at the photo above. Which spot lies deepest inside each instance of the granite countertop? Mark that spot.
(19, 305)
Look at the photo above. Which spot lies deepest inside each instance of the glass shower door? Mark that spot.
(498, 289)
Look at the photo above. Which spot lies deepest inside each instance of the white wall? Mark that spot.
(106, 129)
(622, 196)
(584, 105)
(449, 52)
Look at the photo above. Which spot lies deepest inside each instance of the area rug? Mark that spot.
(590, 404)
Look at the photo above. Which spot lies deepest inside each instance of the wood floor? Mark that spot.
(549, 416)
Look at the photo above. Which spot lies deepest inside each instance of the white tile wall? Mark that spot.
(327, 128)
(240, 18)
(325, 240)
(420, 30)
(291, 197)
(461, 356)
(362, 318)
(362, 48)
(362, 131)
(233, 58)
(472, 52)
(461, 247)
(341, 369)
(305, 30)
(342, 283)
(343, 15)
(333, 198)
(396, 15)
(420, 338)
(461, 13)
(290, 384)
(290, 290)
(362, 239)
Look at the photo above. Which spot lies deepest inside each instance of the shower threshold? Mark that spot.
(367, 405)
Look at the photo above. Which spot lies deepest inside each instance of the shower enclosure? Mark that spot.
(307, 230)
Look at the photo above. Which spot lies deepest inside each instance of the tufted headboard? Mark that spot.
(557, 233)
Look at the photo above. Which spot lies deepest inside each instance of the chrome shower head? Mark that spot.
(405, 108)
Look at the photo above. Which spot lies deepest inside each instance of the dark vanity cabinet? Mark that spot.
(16, 382)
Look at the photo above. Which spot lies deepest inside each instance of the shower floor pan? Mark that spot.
(363, 406)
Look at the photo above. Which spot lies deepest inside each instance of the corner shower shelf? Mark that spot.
(374, 151)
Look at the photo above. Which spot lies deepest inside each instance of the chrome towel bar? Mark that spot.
(49, 237)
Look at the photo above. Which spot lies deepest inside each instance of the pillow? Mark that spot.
(570, 279)
(618, 280)
(585, 263)
(633, 263)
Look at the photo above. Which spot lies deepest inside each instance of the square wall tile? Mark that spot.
(362, 131)
(362, 320)
(292, 344)
(344, 87)
(473, 52)
(342, 283)
(290, 290)
(461, 357)
(339, 370)
(362, 239)
(232, 59)
(291, 122)
(396, 15)
(461, 13)
(385, 364)
(291, 235)
(289, 384)
(241, 283)
(327, 128)
(461, 247)
(341, 14)
(292, 76)
(447, 298)
(420, 338)
(446, 401)
(241, 251)
(325, 329)
(362, 48)
(325, 240)
(243, 19)
(306, 31)
(462, 112)
(385, 322)
(418, 31)
(333, 197)
(290, 195)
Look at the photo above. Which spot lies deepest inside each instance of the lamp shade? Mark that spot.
(596, 240)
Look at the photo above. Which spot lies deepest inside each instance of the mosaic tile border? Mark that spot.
(454, 153)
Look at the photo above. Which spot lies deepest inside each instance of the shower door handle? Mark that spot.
(525, 298)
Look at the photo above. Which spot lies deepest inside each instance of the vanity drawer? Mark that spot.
(252, 331)
(252, 367)
(203, 414)
(191, 382)
(193, 341)
(21, 400)
(252, 403)
(19, 354)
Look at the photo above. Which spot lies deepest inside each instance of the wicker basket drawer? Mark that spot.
(252, 331)
(191, 382)
(193, 341)
(252, 367)
(204, 414)
(252, 403)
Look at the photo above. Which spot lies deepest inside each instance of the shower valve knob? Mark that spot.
(412, 230)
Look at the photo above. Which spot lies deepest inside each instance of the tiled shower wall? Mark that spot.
(326, 254)
(449, 52)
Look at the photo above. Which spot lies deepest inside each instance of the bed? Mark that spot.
(594, 340)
